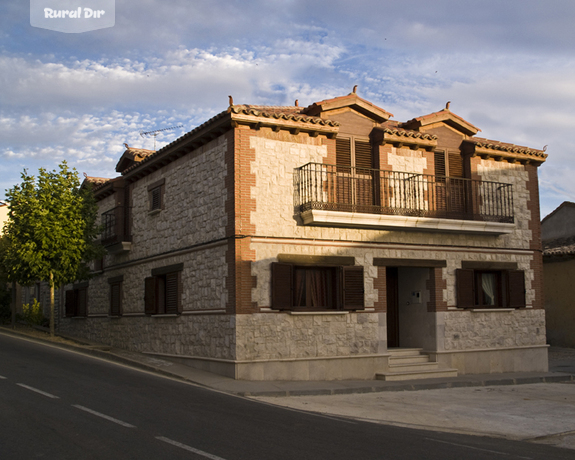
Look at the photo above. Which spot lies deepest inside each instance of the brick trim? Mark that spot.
(535, 227)
(436, 284)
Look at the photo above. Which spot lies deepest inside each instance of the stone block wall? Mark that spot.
(472, 330)
(194, 203)
(269, 336)
(204, 336)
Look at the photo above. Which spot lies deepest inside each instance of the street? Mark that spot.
(57, 404)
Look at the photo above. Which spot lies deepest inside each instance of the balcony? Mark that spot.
(115, 234)
(332, 195)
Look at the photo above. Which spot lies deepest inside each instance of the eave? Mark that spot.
(499, 151)
(404, 138)
(234, 116)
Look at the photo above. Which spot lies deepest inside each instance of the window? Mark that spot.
(163, 291)
(116, 292)
(77, 300)
(156, 195)
(490, 288)
(311, 288)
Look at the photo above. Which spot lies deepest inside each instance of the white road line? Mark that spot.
(470, 447)
(107, 417)
(188, 448)
(2, 377)
(37, 391)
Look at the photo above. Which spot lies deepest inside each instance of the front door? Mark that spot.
(392, 307)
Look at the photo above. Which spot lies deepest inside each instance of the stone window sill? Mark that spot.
(154, 212)
(165, 316)
(491, 310)
(339, 312)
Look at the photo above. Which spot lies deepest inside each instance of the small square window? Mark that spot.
(156, 195)
(156, 198)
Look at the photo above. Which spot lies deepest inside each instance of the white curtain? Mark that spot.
(488, 285)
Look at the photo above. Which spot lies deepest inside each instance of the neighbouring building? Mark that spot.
(558, 234)
(322, 242)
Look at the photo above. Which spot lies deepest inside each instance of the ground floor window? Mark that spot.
(163, 291)
(300, 287)
(76, 301)
(116, 292)
(490, 288)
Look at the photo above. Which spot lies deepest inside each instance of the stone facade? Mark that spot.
(229, 210)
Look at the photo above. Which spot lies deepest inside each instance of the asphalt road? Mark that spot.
(56, 404)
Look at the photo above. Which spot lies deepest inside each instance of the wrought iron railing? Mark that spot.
(114, 228)
(360, 190)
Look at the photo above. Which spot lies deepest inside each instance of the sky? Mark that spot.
(508, 67)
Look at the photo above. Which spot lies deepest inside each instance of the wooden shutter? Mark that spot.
(282, 286)
(439, 159)
(150, 288)
(343, 152)
(516, 288)
(363, 156)
(116, 299)
(156, 199)
(352, 287)
(70, 304)
(465, 280)
(173, 304)
(81, 301)
(455, 164)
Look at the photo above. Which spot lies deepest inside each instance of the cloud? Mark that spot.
(506, 67)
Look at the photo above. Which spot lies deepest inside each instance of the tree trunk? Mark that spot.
(14, 299)
(52, 304)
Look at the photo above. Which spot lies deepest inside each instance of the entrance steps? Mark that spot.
(412, 364)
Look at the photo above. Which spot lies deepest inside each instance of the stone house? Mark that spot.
(558, 234)
(322, 242)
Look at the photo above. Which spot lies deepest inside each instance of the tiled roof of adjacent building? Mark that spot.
(559, 247)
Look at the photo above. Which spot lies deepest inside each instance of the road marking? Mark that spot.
(37, 391)
(188, 448)
(474, 448)
(2, 377)
(107, 417)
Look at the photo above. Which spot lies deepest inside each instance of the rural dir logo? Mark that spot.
(72, 16)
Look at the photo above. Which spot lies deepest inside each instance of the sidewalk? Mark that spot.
(526, 406)
(562, 370)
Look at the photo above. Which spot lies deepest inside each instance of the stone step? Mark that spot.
(416, 375)
(394, 352)
(408, 359)
(413, 367)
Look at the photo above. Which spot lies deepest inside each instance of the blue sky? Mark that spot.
(507, 67)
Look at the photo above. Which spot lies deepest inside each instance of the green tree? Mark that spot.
(51, 230)
(5, 297)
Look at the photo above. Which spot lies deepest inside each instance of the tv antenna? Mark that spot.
(158, 131)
